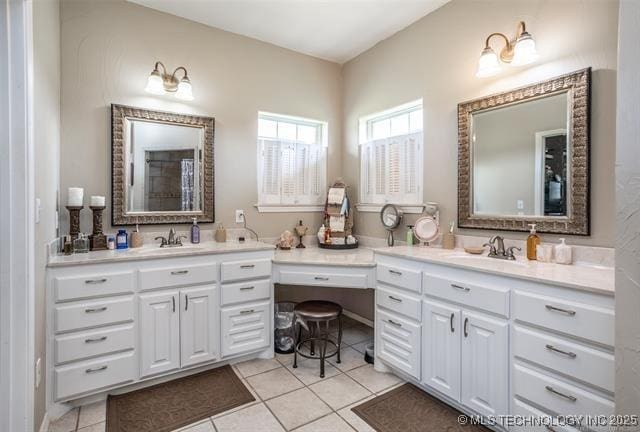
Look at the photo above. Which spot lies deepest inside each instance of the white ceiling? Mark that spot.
(335, 30)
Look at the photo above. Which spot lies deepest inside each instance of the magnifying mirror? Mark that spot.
(390, 216)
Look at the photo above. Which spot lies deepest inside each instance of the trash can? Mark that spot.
(284, 337)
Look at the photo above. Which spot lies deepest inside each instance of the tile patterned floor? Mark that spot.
(287, 399)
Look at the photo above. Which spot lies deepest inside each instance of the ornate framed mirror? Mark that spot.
(162, 167)
(523, 157)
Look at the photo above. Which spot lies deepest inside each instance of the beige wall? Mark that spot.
(46, 79)
(435, 59)
(628, 215)
(109, 49)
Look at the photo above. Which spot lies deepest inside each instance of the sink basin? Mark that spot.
(166, 250)
(482, 259)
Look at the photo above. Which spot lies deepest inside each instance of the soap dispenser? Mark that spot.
(564, 253)
(532, 243)
(195, 231)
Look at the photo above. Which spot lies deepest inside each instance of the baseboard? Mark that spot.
(44, 426)
(358, 318)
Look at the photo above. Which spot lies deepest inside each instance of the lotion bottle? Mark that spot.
(532, 243)
(563, 252)
(195, 231)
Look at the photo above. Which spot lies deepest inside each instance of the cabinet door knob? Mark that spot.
(466, 330)
(186, 301)
(173, 301)
(451, 322)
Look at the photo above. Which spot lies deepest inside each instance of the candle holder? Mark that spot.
(97, 240)
(74, 221)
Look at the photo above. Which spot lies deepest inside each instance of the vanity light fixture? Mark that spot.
(162, 82)
(519, 51)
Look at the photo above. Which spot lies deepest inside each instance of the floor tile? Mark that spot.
(362, 345)
(297, 408)
(352, 336)
(256, 418)
(390, 388)
(353, 419)
(330, 423)
(256, 366)
(238, 408)
(374, 381)
(101, 427)
(339, 391)
(203, 426)
(66, 423)
(285, 359)
(274, 383)
(308, 371)
(349, 359)
(92, 414)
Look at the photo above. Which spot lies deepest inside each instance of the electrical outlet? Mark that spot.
(239, 216)
(38, 372)
(520, 204)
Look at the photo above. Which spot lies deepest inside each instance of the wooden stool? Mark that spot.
(315, 316)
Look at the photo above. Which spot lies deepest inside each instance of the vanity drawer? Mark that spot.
(400, 276)
(581, 320)
(246, 291)
(398, 342)
(398, 302)
(490, 299)
(92, 285)
(246, 328)
(525, 411)
(94, 343)
(93, 375)
(327, 279)
(93, 314)
(558, 396)
(250, 269)
(586, 364)
(166, 277)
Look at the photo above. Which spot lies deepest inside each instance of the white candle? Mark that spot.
(75, 196)
(97, 201)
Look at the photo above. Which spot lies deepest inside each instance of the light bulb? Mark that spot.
(184, 90)
(488, 64)
(155, 84)
(525, 50)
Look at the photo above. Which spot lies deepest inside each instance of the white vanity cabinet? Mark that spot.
(116, 323)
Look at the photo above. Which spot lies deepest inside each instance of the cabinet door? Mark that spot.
(398, 342)
(159, 333)
(199, 325)
(246, 328)
(441, 348)
(485, 366)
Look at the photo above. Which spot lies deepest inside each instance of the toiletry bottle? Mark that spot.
(136, 238)
(111, 243)
(564, 253)
(321, 234)
(409, 235)
(122, 239)
(68, 246)
(195, 231)
(532, 242)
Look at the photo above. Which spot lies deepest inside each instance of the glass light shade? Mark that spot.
(525, 50)
(488, 64)
(184, 90)
(155, 84)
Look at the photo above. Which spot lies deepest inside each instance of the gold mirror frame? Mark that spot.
(119, 215)
(578, 85)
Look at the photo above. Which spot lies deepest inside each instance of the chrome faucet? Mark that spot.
(499, 251)
(172, 240)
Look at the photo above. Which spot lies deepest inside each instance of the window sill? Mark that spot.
(288, 208)
(406, 208)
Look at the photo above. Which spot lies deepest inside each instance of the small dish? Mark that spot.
(474, 250)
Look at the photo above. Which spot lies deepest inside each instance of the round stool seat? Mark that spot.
(318, 310)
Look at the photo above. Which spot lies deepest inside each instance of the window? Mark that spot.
(292, 165)
(391, 157)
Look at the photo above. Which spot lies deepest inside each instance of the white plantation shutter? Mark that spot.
(270, 171)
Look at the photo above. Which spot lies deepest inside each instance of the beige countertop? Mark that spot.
(597, 279)
(155, 252)
(360, 257)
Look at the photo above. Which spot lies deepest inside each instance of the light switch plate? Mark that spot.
(38, 209)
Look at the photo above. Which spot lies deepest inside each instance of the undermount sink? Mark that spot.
(166, 250)
(483, 259)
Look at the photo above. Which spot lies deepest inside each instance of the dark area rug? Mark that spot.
(174, 404)
(409, 409)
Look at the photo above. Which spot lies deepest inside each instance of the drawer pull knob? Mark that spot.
(179, 272)
(451, 322)
(247, 266)
(247, 288)
(393, 323)
(95, 281)
(395, 272)
(320, 278)
(557, 309)
(460, 287)
(244, 312)
(559, 351)
(96, 310)
(556, 392)
(98, 369)
(395, 299)
(95, 340)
